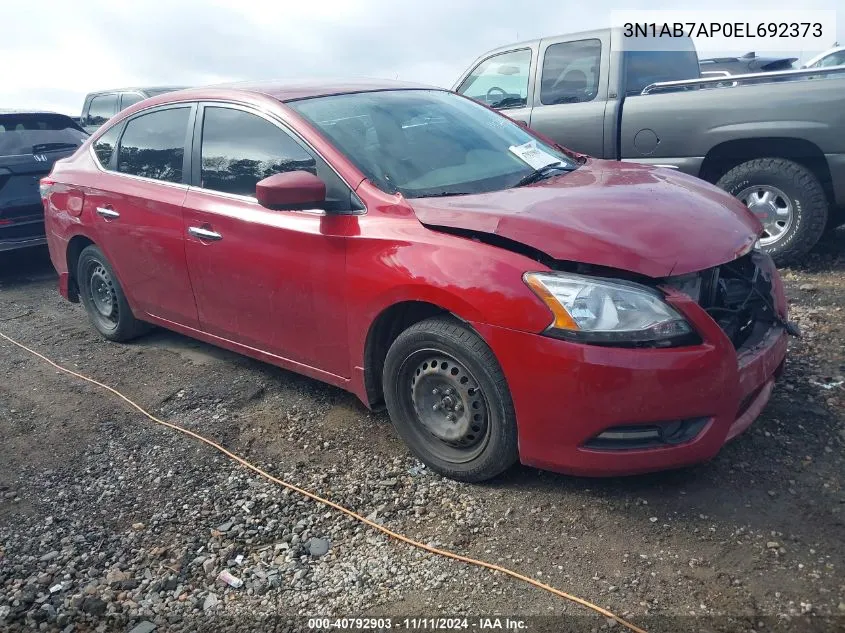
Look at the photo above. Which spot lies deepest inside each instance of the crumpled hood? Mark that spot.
(651, 221)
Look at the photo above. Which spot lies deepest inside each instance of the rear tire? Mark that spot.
(449, 401)
(796, 190)
(103, 298)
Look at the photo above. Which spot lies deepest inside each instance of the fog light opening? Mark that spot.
(656, 435)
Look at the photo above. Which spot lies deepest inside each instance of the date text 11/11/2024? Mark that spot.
(418, 624)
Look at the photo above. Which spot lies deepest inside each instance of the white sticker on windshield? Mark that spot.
(533, 155)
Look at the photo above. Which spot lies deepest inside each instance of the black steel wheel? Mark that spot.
(449, 400)
(103, 297)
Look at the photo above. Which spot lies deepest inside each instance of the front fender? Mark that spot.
(474, 281)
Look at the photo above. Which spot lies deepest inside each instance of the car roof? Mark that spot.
(305, 89)
(580, 35)
(136, 89)
(15, 111)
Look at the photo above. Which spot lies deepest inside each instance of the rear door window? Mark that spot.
(102, 108)
(571, 72)
(153, 145)
(500, 81)
(38, 134)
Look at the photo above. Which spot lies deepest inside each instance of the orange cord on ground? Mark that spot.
(339, 508)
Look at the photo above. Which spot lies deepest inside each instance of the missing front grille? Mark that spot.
(738, 296)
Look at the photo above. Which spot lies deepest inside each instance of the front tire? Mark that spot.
(103, 297)
(788, 199)
(449, 401)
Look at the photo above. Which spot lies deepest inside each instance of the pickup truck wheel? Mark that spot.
(449, 401)
(788, 199)
(103, 298)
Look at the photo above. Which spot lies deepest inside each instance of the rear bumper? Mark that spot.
(566, 394)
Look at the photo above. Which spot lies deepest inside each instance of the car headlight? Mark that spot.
(609, 312)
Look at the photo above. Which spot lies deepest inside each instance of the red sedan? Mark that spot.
(505, 298)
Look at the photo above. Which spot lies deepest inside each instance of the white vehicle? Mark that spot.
(831, 57)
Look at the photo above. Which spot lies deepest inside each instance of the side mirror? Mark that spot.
(291, 190)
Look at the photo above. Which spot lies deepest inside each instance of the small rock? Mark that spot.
(94, 606)
(653, 520)
(317, 547)
(210, 602)
(225, 527)
(841, 607)
(772, 545)
(144, 627)
(138, 526)
(808, 287)
(48, 557)
(5, 609)
(115, 577)
(208, 565)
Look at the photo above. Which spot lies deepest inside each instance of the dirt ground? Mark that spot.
(119, 513)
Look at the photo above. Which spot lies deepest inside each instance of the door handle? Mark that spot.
(204, 234)
(109, 214)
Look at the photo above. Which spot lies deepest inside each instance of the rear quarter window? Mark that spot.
(105, 145)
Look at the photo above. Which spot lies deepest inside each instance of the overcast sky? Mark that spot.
(54, 52)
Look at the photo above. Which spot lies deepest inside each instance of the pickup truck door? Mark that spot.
(570, 93)
(502, 80)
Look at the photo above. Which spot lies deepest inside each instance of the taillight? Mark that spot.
(45, 185)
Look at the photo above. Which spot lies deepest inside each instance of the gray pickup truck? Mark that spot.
(774, 140)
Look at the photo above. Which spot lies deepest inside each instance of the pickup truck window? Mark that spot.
(500, 81)
(571, 72)
(102, 108)
(647, 67)
(129, 98)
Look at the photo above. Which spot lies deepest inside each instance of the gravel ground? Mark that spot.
(108, 522)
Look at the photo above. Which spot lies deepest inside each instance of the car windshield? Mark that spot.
(429, 142)
(23, 133)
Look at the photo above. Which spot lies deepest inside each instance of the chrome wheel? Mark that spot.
(774, 209)
(447, 405)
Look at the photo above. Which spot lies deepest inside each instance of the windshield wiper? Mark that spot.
(508, 102)
(443, 194)
(50, 147)
(542, 173)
